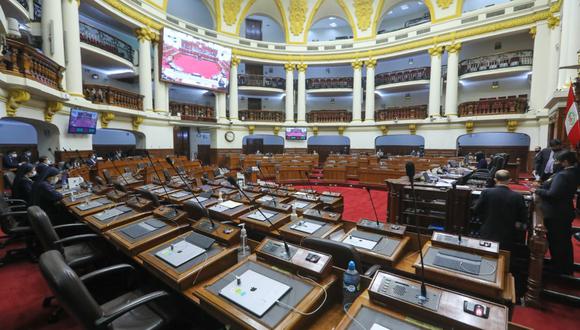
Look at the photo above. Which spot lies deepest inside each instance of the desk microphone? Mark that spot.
(311, 189)
(190, 189)
(233, 182)
(156, 174)
(410, 170)
(258, 165)
(373, 205)
(123, 177)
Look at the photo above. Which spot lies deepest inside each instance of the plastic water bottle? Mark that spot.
(244, 250)
(294, 215)
(350, 284)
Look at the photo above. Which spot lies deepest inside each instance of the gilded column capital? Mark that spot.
(436, 51)
(315, 130)
(52, 107)
(136, 122)
(469, 126)
(276, 130)
(289, 66)
(251, 129)
(341, 130)
(412, 129)
(236, 61)
(15, 98)
(553, 21)
(77, 1)
(384, 129)
(371, 63)
(302, 67)
(144, 33)
(357, 64)
(533, 31)
(106, 118)
(511, 125)
(454, 48)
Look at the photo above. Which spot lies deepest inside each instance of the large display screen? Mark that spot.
(296, 134)
(82, 122)
(191, 61)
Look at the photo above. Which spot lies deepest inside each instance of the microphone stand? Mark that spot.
(411, 174)
(124, 179)
(374, 209)
(159, 178)
(311, 189)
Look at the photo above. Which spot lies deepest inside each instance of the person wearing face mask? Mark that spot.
(43, 163)
(557, 195)
(10, 160)
(26, 157)
(22, 187)
(92, 161)
(544, 161)
(45, 196)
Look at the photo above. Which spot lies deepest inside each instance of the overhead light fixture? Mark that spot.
(332, 18)
(390, 12)
(404, 7)
(332, 24)
(408, 96)
(95, 76)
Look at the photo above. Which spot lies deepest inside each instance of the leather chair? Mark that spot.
(132, 310)
(15, 227)
(341, 254)
(78, 250)
(151, 196)
(9, 177)
(108, 177)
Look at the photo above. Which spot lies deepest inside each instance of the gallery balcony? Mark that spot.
(329, 116)
(261, 115)
(192, 112)
(108, 95)
(416, 112)
(403, 80)
(503, 105)
(254, 84)
(497, 65)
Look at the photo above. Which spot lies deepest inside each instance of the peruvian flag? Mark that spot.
(572, 123)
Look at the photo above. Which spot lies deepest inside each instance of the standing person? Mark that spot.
(545, 159)
(501, 210)
(481, 161)
(26, 156)
(557, 195)
(43, 164)
(10, 160)
(22, 187)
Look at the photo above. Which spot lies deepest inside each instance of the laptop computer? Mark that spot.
(255, 292)
(179, 253)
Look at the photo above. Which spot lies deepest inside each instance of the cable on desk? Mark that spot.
(314, 311)
(202, 267)
(345, 309)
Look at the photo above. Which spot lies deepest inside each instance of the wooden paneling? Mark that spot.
(515, 152)
(181, 141)
(325, 150)
(398, 150)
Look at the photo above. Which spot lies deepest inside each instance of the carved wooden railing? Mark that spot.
(329, 116)
(495, 106)
(109, 95)
(261, 81)
(402, 113)
(496, 61)
(105, 41)
(403, 76)
(25, 61)
(261, 115)
(193, 112)
(537, 243)
(320, 83)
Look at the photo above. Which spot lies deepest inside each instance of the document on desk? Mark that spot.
(180, 194)
(179, 253)
(266, 198)
(201, 199)
(377, 326)
(230, 204)
(108, 214)
(93, 204)
(299, 205)
(258, 216)
(160, 191)
(306, 226)
(360, 242)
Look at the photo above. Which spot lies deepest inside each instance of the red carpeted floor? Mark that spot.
(22, 287)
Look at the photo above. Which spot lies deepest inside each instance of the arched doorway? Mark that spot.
(324, 145)
(399, 144)
(265, 143)
(40, 137)
(516, 145)
(107, 141)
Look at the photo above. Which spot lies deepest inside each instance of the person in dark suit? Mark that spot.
(22, 186)
(557, 195)
(45, 195)
(544, 160)
(43, 163)
(10, 160)
(501, 210)
(481, 161)
(92, 160)
(26, 157)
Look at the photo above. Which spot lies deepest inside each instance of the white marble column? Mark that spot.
(539, 91)
(301, 107)
(435, 82)
(52, 31)
(289, 98)
(220, 107)
(74, 67)
(161, 92)
(570, 43)
(144, 35)
(234, 88)
(452, 79)
(357, 90)
(370, 90)
(554, 62)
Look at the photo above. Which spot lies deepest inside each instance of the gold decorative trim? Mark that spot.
(436, 51)
(236, 61)
(315, 130)
(52, 107)
(341, 130)
(251, 129)
(163, 7)
(511, 125)
(444, 4)
(533, 31)
(454, 48)
(231, 11)
(297, 10)
(123, 8)
(412, 129)
(15, 98)
(357, 64)
(371, 63)
(144, 33)
(469, 126)
(106, 118)
(276, 130)
(363, 10)
(384, 129)
(289, 66)
(553, 21)
(301, 67)
(136, 122)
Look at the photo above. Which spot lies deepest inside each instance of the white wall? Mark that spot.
(191, 95)
(197, 138)
(474, 90)
(509, 43)
(328, 102)
(194, 11)
(471, 5)
(334, 71)
(273, 102)
(387, 100)
(113, 137)
(103, 79)
(329, 34)
(271, 30)
(402, 63)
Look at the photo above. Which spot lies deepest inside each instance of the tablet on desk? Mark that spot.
(254, 292)
(360, 242)
(299, 205)
(93, 204)
(230, 204)
(179, 253)
(180, 194)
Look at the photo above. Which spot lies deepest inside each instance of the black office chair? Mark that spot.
(341, 254)
(9, 177)
(132, 310)
(108, 177)
(14, 225)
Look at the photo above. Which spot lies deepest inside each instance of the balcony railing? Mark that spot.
(100, 94)
(497, 61)
(329, 116)
(193, 112)
(504, 105)
(25, 61)
(403, 76)
(105, 41)
(320, 83)
(402, 113)
(257, 80)
(261, 115)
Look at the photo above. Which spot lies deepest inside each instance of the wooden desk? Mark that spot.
(105, 204)
(68, 201)
(226, 192)
(179, 197)
(325, 216)
(238, 197)
(213, 262)
(374, 257)
(278, 207)
(269, 198)
(297, 236)
(223, 233)
(334, 203)
(334, 174)
(278, 220)
(229, 214)
(187, 204)
(302, 206)
(102, 226)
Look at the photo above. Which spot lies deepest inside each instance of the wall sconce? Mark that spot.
(495, 85)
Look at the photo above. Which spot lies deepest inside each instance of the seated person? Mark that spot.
(45, 196)
(10, 160)
(43, 163)
(500, 210)
(481, 161)
(22, 187)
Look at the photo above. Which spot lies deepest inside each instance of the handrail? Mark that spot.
(100, 94)
(394, 77)
(261, 115)
(101, 39)
(258, 80)
(495, 106)
(335, 82)
(402, 113)
(496, 61)
(329, 116)
(193, 112)
(25, 61)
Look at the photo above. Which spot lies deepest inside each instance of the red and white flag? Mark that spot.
(572, 123)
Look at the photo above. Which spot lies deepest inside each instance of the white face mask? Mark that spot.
(32, 174)
(54, 180)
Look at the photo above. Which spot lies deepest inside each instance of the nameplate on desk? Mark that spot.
(230, 204)
(180, 194)
(306, 226)
(108, 214)
(299, 205)
(179, 253)
(93, 204)
(258, 216)
(465, 243)
(142, 228)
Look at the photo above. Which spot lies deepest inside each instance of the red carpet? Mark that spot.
(22, 287)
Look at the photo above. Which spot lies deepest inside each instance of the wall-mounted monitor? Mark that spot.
(82, 122)
(296, 133)
(191, 61)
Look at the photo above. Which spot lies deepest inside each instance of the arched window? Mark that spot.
(197, 12)
(516, 145)
(325, 145)
(399, 144)
(471, 5)
(330, 28)
(402, 15)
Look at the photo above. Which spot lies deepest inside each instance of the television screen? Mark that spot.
(296, 134)
(82, 122)
(190, 61)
